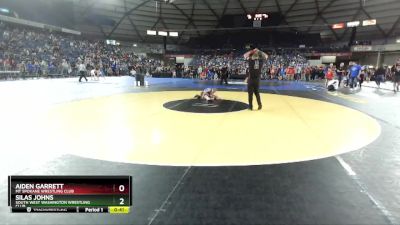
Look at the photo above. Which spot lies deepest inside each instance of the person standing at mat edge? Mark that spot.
(255, 58)
(354, 74)
(224, 75)
(396, 77)
(82, 71)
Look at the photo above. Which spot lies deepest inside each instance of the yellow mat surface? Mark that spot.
(136, 128)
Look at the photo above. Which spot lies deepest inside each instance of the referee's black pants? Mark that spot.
(253, 87)
(224, 79)
(82, 75)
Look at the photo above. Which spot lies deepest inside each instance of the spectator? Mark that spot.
(82, 71)
(379, 76)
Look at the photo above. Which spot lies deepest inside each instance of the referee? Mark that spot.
(255, 58)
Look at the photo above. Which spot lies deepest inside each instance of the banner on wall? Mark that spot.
(362, 48)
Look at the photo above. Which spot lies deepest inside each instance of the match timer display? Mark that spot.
(70, 194)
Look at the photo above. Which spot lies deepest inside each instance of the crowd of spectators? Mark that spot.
(36, 52)
(208, 66)
(39, 52)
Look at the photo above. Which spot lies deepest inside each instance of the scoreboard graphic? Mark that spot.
(70, 194)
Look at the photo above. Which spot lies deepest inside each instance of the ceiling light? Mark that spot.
(173, 34)
(151, 32)
(163, 33)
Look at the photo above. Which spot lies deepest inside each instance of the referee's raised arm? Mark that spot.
(256, 50)
(263, 54)
(249, 53)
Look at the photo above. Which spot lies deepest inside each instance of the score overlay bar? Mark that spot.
(85, 194)
(102, 209)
